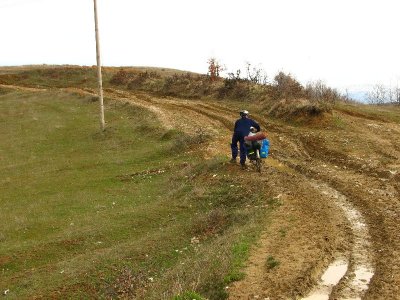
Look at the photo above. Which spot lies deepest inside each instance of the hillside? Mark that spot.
(151, 209)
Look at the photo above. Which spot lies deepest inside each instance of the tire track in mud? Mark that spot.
(370, 180)
(190, 116)
(378, 201)
(170, 112)
(349, 274)
(354, 272)
(349, 271)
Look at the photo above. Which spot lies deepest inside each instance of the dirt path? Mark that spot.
(335, 232)
(21, 88)
(331, 211)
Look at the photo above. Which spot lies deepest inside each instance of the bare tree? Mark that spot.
(256, 75)
(378, 95)
(214, 68)
(390, 95)
(287, 87)
(396, 95)
(235, 76)
(318, 90)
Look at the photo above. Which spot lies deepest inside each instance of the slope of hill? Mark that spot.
(328, 197)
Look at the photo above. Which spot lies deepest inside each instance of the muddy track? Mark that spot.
(336, 205)
(372, 187)
(351, 250)
(369, 272)
(379, 205)
(21, 88)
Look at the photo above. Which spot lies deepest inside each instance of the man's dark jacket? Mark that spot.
(242, 126)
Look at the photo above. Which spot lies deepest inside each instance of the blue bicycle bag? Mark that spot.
(264, 148)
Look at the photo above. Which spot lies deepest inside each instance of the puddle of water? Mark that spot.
(320, 295)
(363, 268)
(329, 279)
(335, 272)
(360, 282)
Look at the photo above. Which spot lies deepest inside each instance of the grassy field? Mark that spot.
(124, 213)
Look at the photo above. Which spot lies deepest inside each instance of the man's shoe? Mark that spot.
(233, 161)
(244, 167)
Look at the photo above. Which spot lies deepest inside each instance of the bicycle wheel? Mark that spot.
(258, 165)
(258, 161)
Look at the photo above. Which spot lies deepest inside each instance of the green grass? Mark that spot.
(86, 214)
(53, 76)
(338, 122)
(383, 113)
(61, 199)
(188, 296)
(271, 262)
(240, 253)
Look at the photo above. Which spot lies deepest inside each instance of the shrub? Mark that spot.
(309, 101)
(122, 77)
(243, 89)
(319, 91)
(211, 223)
(184, 141)
(286, 87)
(297, 109)
(142, 79)
(188, 295)
(234, 88)
(271, 262)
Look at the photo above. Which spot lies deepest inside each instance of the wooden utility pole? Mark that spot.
(102, 123)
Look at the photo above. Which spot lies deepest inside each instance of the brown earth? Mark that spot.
(349, 156)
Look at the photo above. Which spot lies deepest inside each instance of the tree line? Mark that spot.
(381, 94)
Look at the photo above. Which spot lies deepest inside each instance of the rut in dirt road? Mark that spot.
(354, 271)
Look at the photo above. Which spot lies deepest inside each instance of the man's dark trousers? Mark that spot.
(235, 139)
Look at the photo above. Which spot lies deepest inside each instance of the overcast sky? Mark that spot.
(346, 43)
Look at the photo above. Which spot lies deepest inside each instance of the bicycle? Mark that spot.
(257, 146)
(253, 154)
